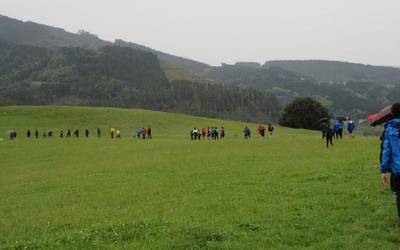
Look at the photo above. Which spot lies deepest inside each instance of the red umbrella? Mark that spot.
(382, 116)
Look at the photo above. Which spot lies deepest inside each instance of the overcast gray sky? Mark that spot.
(215, 31)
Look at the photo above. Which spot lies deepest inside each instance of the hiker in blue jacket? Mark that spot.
(340, 129)
(336, 129)
(391, 154)
(350, 127)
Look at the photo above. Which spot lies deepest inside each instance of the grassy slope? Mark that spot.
(174, 73)
(288, 191)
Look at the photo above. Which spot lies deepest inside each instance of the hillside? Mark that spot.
(288, 191)
(339, 72)
(356, 99)
(119, 77)
(29, 33)
(14, 31)
(366, 89)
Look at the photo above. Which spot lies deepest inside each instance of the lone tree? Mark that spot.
(303, 113)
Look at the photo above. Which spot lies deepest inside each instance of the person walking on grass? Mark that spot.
(61, 133)
(390, 160)
(340, 129)
(112, 132)
(138, 132)
(28, 134)
(222, 132)
(36, 134)
(329, 133)
(336, 129)
(98, 133)
(216, 133)
(144, 133)
(350, 127)
(87, 133)
(270, 129)
(246, 133)
(149, 133)
(69, 133)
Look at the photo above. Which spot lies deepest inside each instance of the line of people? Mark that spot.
(215, 133)
(61, 133)
(210, 133)
(144, 133)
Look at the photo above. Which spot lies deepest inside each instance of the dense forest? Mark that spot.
(120, 77)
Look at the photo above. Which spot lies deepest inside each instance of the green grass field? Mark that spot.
(288, 191)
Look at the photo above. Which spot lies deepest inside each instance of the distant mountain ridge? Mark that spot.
(339, 72)
(17, 32)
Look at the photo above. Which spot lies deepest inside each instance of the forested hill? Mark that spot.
(185, 63)
(118, 77)
(339, 72)
(29, 33)
(356, 98)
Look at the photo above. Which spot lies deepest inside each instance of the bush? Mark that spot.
(303, 113)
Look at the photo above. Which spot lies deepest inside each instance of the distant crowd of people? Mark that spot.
(48, 133)
(330, 132)
(215, 133)
(210, 133)
(144, 133)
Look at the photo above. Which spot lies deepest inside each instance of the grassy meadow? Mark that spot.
(284, 192)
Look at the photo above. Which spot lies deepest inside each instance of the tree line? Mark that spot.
(119, 77)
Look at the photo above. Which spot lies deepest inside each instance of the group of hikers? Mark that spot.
(210, 133)
(215, 133)
(330, 132)
(144, 133)
(261, 131)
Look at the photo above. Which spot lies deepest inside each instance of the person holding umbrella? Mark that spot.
(390, 163)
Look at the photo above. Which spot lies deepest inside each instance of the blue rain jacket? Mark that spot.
(391, 148)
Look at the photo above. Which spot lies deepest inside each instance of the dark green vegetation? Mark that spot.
(172, 193)
(288, 85)
(303, 113)
(118, 77)
(355, 98)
